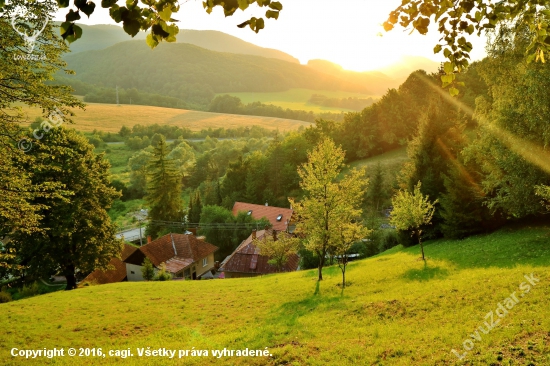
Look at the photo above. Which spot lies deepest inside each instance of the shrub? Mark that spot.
(388, 239)
(29, 290)
(162, 274)
(5, 297)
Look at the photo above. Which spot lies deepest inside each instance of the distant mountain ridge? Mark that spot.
(182, 70)
(98, 37)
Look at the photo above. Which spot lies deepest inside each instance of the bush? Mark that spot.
(29, 290)
(387, 239)
(5, 297)
(162, 274)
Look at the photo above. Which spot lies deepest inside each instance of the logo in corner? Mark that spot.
(28, 25)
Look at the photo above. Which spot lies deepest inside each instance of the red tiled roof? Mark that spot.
(269, 212)
(118, 274)
(177, 246)
(247, 259)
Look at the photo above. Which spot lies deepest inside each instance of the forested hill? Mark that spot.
(97, 37)
(181, 70)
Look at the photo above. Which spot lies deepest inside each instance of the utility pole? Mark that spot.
(140, 237)
(117, 102)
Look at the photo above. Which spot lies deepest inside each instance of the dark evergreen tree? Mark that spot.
(163, 190)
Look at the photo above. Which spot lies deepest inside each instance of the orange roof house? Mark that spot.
(246, 260)
(280, 218)
(118, 274)
(183, 255)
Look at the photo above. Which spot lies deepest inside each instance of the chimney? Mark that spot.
(274, 235)
(148, 239)
(253, 234)
(266, 204)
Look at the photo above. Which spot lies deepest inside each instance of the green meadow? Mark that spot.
(297, 99)
(396, 310)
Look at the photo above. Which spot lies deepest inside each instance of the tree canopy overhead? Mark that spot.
(155, 16)
(458, 19)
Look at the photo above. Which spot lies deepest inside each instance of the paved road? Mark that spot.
(131, 235)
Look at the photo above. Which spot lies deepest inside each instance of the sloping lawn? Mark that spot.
(396, 311)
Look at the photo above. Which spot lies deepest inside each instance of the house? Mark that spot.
(246, 260)
(280, 218)
(117, 274)
(185, 256)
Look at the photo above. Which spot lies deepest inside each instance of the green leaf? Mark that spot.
(437, 48)
(448, 67)
(151, 41)
(272, 14)
(2, 3)
(166, 14)
(72, 16)
(453, 91)
(107, 3)
(131, 26)
(243, 4)
(276, 5)
(63, 3)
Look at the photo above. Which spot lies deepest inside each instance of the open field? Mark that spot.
(298, 99)
(395, 311)
(110, 118)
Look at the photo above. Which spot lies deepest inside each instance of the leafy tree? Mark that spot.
(163, 189)
(195, 208)
(377, 192)
(26, 82)
(513, 133)
(544, 192)
(411, 211)
(147, 270)
(124, 131)
(350, 232)
(226, 231)
(456, 20)
(76, 231)
(278, 250)
(138, 172)
(328, 203)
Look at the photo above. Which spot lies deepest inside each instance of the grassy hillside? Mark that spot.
(396, 311)
(297, 99)
(110, 118)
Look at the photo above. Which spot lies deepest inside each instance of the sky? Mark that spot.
(347, 32)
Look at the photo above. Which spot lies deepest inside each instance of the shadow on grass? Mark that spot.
(505, 248)
(426, 273)
(289, 313)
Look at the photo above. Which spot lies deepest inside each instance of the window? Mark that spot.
(132, 272)
(249, 213)
(204, 262)
(280, 217)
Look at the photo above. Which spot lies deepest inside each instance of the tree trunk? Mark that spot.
(344, 277)
(71, 279)
(321, 263)
(421, 246)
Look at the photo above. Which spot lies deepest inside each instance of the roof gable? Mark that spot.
(278, 217)
(183, 247)
(247, 259)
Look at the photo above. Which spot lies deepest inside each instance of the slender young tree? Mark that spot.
(328, 202)
(163, 189)
(411, 211)
(147, 270)
(278, 250)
